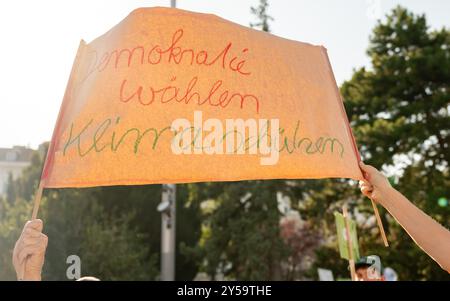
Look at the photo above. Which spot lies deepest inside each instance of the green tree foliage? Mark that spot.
(401, 105)
(12, 218)
(109, 247)
(399, 111)
(262, 15)
(241, 237)
(114, 230)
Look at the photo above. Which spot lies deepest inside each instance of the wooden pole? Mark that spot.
(351, 260)
(37, 200)
(377, 216)
(380, 223)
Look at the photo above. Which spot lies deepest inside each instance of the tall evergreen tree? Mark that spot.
(399, 111)
(262, 15)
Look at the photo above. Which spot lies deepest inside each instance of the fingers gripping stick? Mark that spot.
(37, 201)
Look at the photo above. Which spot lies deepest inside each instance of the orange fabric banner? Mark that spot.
(170, 96)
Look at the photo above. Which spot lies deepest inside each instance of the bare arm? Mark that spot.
(428, 234)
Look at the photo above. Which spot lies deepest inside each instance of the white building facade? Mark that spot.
(13, 161)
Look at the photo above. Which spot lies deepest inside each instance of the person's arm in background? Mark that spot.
(29, 251)
(428, 234)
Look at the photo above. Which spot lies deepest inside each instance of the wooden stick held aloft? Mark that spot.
(37, 200)
(380, 223)
(377, 216)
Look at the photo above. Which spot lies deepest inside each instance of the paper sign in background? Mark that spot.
(342, 236)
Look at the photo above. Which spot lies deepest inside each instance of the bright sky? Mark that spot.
(40, 39)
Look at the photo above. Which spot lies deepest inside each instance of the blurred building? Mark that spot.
(13, 161)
